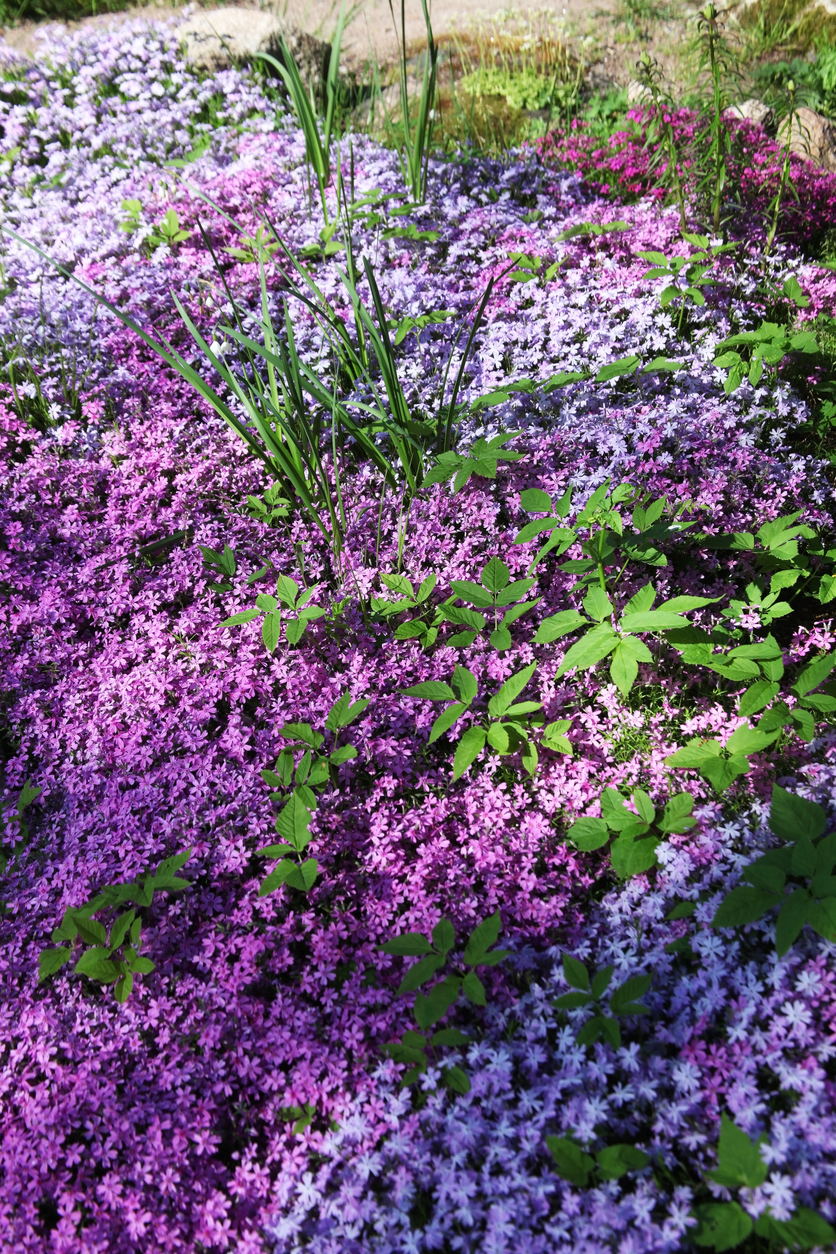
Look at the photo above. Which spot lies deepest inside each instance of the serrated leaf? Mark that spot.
(432, 690)
(791, 817)
(464, 685)
(720, 1225)
(468, 749)
(431, 1007)
(422, 971)
(444, 936)
(597, 604)
(483, 936)
(445, 721)
(535, 501)
(474, 989)
(97, 965)
(576, 973)
(120, 929)
(559, 625)
(629, 993)
(52, 960)
(614, 369)
(592, 648)
(409, 945)
(794, 913)
(571, 1162)
(739, 1158)
(572, 1001)
(744, 905)
(510, 690)
(589, 833)
(496, 575)
(245, 616)
(294, 821)
(615, 1161)
(456, 1079)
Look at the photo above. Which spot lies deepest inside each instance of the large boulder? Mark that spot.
(812, 136)
(215, 39)
(752, 111)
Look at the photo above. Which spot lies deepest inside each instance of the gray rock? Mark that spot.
(218, 38)
(752, 111)
(638, 93)
(812, 136)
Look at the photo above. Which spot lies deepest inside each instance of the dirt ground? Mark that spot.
(592, 27)
(608, 35)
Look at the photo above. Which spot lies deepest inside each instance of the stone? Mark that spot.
(812, 136)
(216, 39)
(638, 93)
(752, 110)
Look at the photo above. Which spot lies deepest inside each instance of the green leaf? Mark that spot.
(756, 697)
(245, 616)
(483, 936)
(630, 856)
(120, 929)
(553, 737)
(91, 931)
(624, 365)
(720, 1225)
(422, 971)
(596, 1028)
(496, 575)
(589, 833)
(601, 981)
(624, 665)
(642, 600)
(592, 648)
(431, 1007)
(96, 964)
(432, 690)
(501, 639)
(123, 987)
(652, 620)
(677, 814)
(791, 817)
(814, 675)
(803, 858)
(615, 1161)
(576, 973)
(468, 749)
(572, 1001)
(744, 905)
(510, 690)
(287, 591)
(409, 945)
(464, 685)
(570, 1160)
(347, 753)
(628, 993)
(343, 712)
(293, 822)
(803, 1230)
(271, 630)
(597, 604)
(474, 989)
(444, 936)
(559, 625)
(739, 1158)
(535, 501)
(746, 740)
(794, 913)
(52, 960)
(456, 1080)
(445, 721)
(449, 1036)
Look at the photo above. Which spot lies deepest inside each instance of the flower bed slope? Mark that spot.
(239, 1098)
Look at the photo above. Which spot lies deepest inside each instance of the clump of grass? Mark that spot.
(770, 25)
(13, 11)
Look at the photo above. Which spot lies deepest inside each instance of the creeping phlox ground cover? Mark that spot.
(427, 847)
